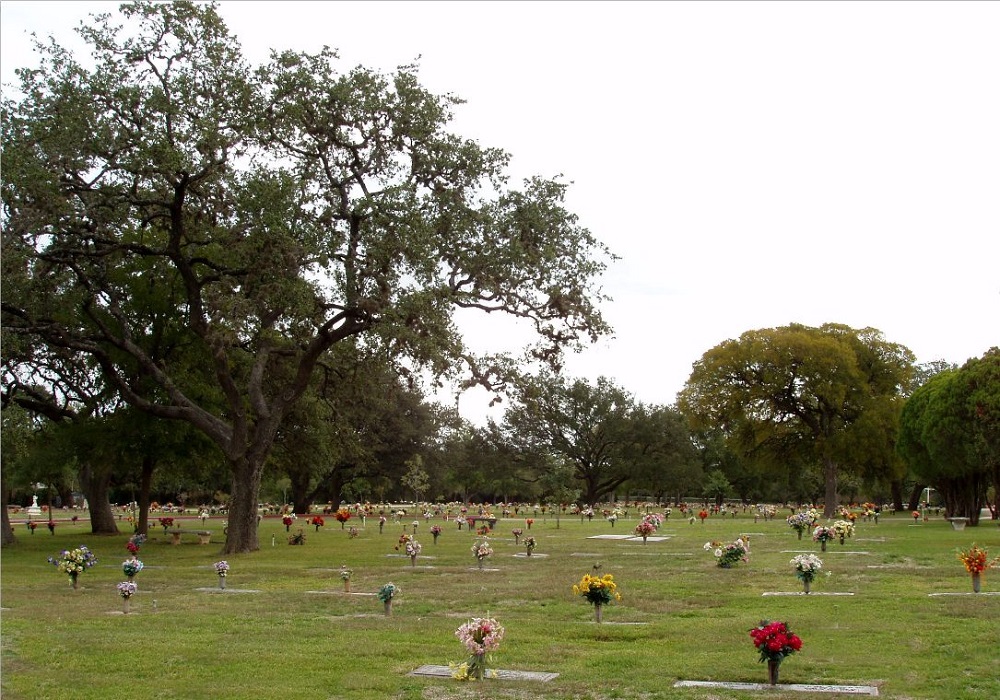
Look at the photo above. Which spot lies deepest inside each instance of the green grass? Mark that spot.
(300, 636)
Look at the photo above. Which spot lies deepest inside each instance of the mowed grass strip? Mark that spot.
(298, 635)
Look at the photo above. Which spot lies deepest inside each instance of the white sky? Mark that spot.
(754, 164)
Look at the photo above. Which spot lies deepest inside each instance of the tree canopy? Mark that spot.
(831, 394)
(950, 434)
(204, 230)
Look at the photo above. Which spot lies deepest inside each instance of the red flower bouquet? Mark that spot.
(774, 641)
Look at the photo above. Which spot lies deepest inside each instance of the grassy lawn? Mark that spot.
(285, 628)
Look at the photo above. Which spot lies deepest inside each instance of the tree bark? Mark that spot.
(6, 531)
(145, 484)
(95, 487)
(830, 480)
(242, 534)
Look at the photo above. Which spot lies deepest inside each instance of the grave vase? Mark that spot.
(805, 585)
(74, 580)
(222, 582)
(598, 613)
(125, 605)
(772, 671)
(977, 582)
(388, 608)
(822, 545)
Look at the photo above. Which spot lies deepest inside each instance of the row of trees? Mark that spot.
(572, 440)
(218, 275)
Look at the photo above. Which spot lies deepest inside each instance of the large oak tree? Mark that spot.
(833, 393)
(281, 209)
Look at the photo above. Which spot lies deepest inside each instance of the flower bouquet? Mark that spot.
(481, 636)
(976, 561)
(222, 569)
(287, 521)
(481, 550)
(529, 522)
(352, 532)
(52, 526)
(166, 524)
(342, 516)
(598, 590)
(345, 576)
(729, 555)
(800, 522)
(74, 562)
(529, 544)
(806, 568)
(386, 593)
(130, 567)
(517, 532)
(318, 522)
(435, 531)
(31, 524)
(843, 528)
(646, 527)
(774, 641)
(126, 589)
(823, 535)
(134, 542)
(413, 548)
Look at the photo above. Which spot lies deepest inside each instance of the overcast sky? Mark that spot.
(753, 164)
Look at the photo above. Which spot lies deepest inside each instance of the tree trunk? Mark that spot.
(963, 498)
(95, 488)
(830, 480)
(897, 494)
(914, 502)
(145, 484)
(300, 490)
(242, 534)
(6, 531)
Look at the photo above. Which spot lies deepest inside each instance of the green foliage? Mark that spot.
(204, 231)
(800, 394)
(950, 433)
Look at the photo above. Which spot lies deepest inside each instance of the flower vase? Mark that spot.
(529, 552)
(413, 560)
(347, 585)
(222, 582)
(388, 608)
(800, 534)
(822, 545)
(976, 582)
(644, 539)
(841, 539)
(74, 580)
(517, 539)
(477, 667)
(435, 538)
(772, 671)
(805, 585)
(480, 562)
(598, 613)
(125, 602)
